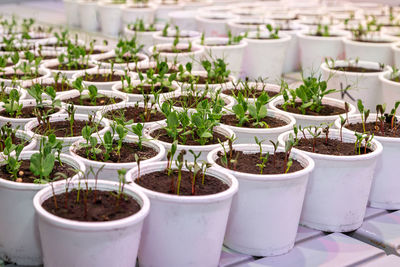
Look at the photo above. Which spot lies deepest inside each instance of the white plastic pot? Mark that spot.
(132, 13)
(67, 141)
(68, 243)
(271, 51)
(101, 62)
(143, 38)
(91, 110)
(217, 47)
(184, 19)
(193, 224)
(338, 189)
(110, 170)
(309, 120)
(390, 90)
(51, 66)
(314, 50)
(246, 135)
(20, 122)
(19, 235)
(109, 18)
(71, 12)
(140, 97)
(193, 56)
(239, 26)
(102, 113)
(396, 53)
(196, 149)
(376, 52)
(214, 24)
(102, 85)
(44, 73)
(364, 86)
(292, 57)
(88, 15)
(164, 8)
(185, 37)
(259, 232)
(386, 183)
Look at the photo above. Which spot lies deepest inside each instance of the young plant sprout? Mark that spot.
(364, 113)
(307, 96)
(273, 32)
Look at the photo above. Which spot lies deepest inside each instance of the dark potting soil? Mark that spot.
(327, 110)
(68, 67)
(156, 70)
(174, 51)
(376, 128)
(95, 51)
(102, 206)
(102, 78)
(127, 153)
(270, 121)
(356, 69)
(59, 87)
(147, 89)
(137, 114)
(320, 35)
(63, 129)
(250, 23)
(247, 163)
(188, 101)
(162, 183)
(374, 41)
(251, 93)
(27, 176)
(200, 79)
(100, 101)
(20, 76)
(161, 134)
(27, 112)
(124, 60)
(334, 147)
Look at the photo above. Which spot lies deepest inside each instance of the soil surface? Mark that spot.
(376, 128)
(102, 78)
(270, 121)
(100, 101)
(327, 110)
(14, 140)
(334, 147)
(199, 79)
(124, 60)
(247, 163)
(356, 69)
(59, 87)
(174, 51)
(95, 51)
(67, 67)
(252, 93)
(127, 153)
(137, 114)
(27, 176)
(161, 134)
(147, 89)
(63, 129)
(102, 206)
(187, 101)
(156, 70)
(161, 182)
(27, 112)
(20, 76)
(374, 41)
